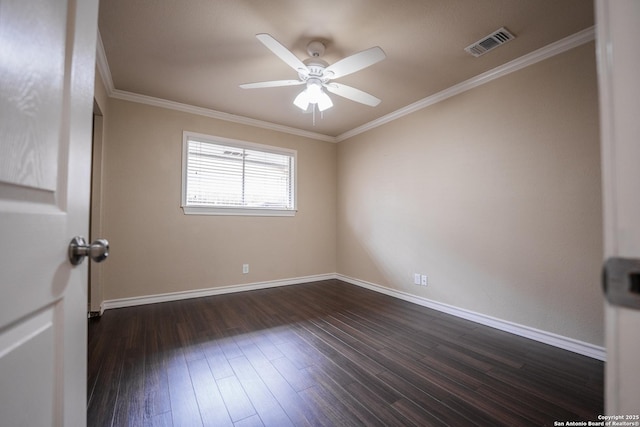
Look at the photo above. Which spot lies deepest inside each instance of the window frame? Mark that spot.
(236, 210)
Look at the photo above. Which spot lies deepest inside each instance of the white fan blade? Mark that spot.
(283, 53)
(353, 94)
(355, 62)
(273, 83)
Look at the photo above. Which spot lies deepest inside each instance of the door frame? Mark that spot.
(95, 217)
(617, 33)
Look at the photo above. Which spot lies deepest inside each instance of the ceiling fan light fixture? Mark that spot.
(324, 102)
(302, 100)
(314, 89)
(313, 94)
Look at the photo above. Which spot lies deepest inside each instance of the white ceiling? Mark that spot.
(197, 52)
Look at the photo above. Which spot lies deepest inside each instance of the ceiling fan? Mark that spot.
(316, 74)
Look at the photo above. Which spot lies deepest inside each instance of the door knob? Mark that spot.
(78, 249)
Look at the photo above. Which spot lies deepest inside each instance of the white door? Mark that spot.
(47, 60)
(618, 34)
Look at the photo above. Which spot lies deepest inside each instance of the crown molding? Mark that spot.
(541, 54)
(186, 108)
(103, 66)
(534, 57)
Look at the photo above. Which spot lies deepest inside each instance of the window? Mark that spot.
(227, 177)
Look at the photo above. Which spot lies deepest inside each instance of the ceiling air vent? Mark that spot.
(493, 40)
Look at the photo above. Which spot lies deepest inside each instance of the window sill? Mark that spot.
(206, 210)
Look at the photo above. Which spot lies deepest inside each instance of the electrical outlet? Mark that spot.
(416, 278)
(423, 280)
(245, 268)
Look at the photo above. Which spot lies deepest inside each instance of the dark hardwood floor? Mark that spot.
(325, 354)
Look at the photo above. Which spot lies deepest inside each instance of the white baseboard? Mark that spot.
(570, 344)
(176, 296)
(573, 345)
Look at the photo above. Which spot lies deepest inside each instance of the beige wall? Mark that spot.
(494, 194)
(157, 249)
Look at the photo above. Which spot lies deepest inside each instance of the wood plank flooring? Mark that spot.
(325, 354)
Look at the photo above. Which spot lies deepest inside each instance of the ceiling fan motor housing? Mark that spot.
(315, 48)
(315, 68)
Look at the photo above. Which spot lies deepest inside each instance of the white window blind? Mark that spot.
(222, 176)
